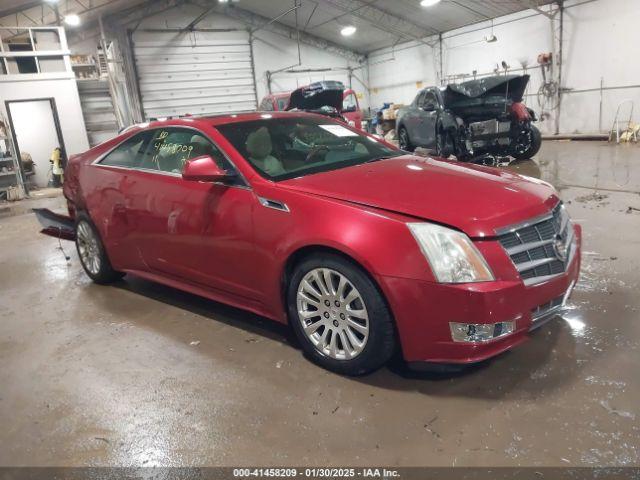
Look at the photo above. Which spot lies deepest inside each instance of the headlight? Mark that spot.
(451, 254)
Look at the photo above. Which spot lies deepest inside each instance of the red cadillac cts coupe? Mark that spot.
(362, 248)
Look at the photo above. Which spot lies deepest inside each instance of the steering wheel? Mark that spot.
(314, 152)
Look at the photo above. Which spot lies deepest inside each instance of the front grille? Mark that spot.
(542, 247)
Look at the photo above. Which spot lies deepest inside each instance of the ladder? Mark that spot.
(615, 129)
(11, 181)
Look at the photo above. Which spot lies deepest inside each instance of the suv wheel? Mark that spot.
(339, 316)
(444, 143)
(403, 140)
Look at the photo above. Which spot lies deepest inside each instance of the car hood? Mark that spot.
(477, 200)
(314, 98)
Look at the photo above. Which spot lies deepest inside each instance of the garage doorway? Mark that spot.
(201, 72)
(36, 129)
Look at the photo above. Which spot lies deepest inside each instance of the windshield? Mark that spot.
(283, 148)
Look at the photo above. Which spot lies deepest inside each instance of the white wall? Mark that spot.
(64, 92)
(598, 43)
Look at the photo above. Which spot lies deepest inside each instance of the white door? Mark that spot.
(36, 134)
(198, 73)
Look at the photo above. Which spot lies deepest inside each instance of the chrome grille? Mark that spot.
(540, 248)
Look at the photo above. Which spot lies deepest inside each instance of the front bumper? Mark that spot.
(423, 311)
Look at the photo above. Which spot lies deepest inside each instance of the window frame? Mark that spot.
(241, 179)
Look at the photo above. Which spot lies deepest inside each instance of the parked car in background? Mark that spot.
(347, 106)
(362, 248)
(484, 116)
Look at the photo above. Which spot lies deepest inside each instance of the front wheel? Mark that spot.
(404, 141)
(444, 143)
(339, 316)
(527, 143)
(93, 256)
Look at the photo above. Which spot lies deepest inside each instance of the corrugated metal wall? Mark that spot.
(199, 72)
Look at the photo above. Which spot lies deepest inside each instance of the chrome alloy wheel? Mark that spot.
(333, 314)
(88, 247)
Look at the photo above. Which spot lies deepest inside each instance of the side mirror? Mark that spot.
(350, 108)
(203, 169)
(429, 107)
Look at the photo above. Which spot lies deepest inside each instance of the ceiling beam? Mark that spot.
(384, 20)
(255, 21)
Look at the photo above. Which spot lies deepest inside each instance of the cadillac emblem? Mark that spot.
(560, 248)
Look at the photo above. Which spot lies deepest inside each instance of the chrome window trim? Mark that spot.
(98, 162)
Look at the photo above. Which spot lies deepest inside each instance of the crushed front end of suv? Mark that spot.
(471, 119)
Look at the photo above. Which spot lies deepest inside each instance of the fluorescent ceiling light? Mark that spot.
(72, 20)
(348, 30)
(429, 3)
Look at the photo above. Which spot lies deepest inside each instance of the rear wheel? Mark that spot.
(339, 316)
(93, 256)
(404, 141)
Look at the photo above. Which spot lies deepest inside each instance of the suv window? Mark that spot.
(430, 97)
(282, 103)
(128, 154)
(420, 99)
(171, 147)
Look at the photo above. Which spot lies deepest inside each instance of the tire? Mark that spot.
(338, 341)
(92, 253)
(404, 141)
(534, 142)
(444, 143)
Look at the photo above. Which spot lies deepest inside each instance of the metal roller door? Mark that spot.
(198, 73)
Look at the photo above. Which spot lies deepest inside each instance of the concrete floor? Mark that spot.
(139, 374)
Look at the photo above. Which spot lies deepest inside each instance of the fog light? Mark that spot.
(480, 332)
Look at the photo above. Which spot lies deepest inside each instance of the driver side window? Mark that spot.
(430, 99)
(171, 147)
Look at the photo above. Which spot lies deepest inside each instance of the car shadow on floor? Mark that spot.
(220, 312)
(545, 363)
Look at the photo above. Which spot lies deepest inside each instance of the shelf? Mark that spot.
(83, 65)
(4, 174)
(6, 159)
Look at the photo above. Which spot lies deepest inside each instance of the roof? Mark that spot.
(380, 23)
(224, 119)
